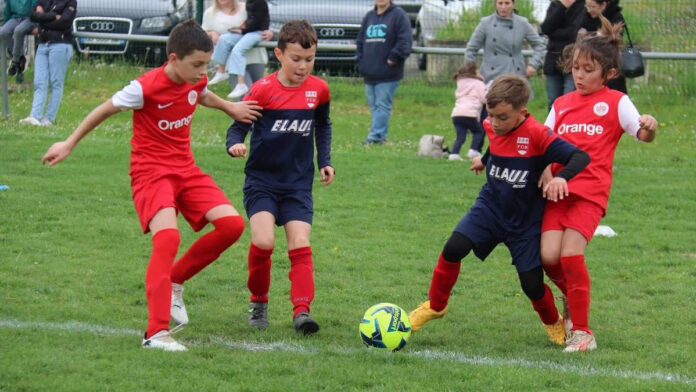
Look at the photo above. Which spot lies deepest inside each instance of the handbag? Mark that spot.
(631, 59)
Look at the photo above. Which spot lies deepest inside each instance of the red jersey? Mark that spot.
(594, 123)
(162, 115)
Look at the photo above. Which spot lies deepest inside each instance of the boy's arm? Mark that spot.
(574, 161)
(244, 111)
(236, 134)
(322, 132)
(59, 151)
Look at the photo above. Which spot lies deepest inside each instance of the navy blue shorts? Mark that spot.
(285, 206)
(483, 229)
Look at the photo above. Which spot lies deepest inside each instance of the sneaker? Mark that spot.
(218, 77)
(178, 309)
(30, 121)
(164, 341)
(580, 341)
(304, 324)
(44, 122)
(423, 314)
(557, 331)
(13, 68)
(455, 157)
(239, 90)
(567, 323)
(471, 154)
(258, 315)
(368, 142)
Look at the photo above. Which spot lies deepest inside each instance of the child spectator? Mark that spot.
(470, 97)
(16, 24)
(239, 41)
(593, 117)
(164, 176)
(509, 207)
(280, 171)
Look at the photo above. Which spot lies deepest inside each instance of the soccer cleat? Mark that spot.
(557, 332)
(304, 324)
(163, 340)
(455, 157)
(580, 341)
(423, 314)
(178, 309)
(44, 122)
(239, 90)
(258, 315)
(218, 77)
(30, 121)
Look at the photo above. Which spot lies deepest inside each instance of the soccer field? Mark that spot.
(73, 259)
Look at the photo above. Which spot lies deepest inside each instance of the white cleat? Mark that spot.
(239, 90)
(163, 340)
(580, 341)
(178, 309)
(218, 77)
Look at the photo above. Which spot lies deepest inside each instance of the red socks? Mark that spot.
(158, 284)
(578, 282)
(301, 279)
(259, 273)
(546, 307)
(555, 273)
(444, 277)
(208, 248)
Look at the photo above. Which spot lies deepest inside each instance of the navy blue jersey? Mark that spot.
(282, 140)
(516, 162)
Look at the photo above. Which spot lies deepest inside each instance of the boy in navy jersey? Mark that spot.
(280, 171)
(164, 176)
(510, 206)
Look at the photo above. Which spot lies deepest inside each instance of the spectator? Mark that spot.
(609, 9)
(16, 25)
(55, 18)
(561, 26)
(470, 98)
(231, 14)
(383, 44)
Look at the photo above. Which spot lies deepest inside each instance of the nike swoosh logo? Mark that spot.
(559, 112)
(160, 106)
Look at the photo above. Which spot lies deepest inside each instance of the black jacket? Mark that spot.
(258, 18)
(52, 30)
(561, 25)
(612, 12)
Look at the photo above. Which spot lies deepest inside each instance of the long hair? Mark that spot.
(603, 46)
(467, 70)
(216, 6)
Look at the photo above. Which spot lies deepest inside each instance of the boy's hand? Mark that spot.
(327, 174)
(238, 150)
(244, 111)
(545, 177)
(555, 189)
(477, 166)
(56, 153)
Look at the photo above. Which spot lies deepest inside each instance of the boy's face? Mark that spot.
(587, 74)
(296, 63)
(191, 68)
(504, 118)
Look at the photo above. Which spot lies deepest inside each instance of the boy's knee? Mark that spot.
(532, 283)
(457, 247)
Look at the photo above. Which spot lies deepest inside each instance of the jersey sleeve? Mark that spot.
(551, 118)
(323, 129)
(129, 97)
(629, 116)
(237, 132)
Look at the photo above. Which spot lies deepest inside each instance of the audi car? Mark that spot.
(336, 22)
(138, 17)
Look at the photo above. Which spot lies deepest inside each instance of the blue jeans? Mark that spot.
(231, 50)
(380, 97)
(557, 85)
(13, 32)
(50, 66)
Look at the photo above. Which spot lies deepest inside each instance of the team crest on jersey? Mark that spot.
(311, 98)
(601, 108)
(192, 97)
(522, 145)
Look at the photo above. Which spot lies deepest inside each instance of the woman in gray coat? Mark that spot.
(501, 36)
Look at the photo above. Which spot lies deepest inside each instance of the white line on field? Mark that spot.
(453, 356)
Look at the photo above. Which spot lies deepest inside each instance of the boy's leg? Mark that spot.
(259, 281)
(58, 59)
(301, 275)
(540, 295)
(158, 286)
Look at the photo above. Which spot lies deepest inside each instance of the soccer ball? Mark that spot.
(385, 326)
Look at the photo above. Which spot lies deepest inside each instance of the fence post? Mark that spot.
(200, 7)
(3, 62)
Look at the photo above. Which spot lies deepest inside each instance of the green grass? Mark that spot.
(73, 260)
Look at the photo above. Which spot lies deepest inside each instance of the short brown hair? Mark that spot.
(511, 89)
(297, 31)
(187, 37)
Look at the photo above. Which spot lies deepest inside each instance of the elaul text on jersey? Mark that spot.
(296, 126)
(517, 178)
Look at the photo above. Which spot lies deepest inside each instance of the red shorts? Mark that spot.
(191, 192)
(572, 212)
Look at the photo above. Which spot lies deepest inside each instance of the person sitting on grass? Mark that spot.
(510, 205)
(164, 177)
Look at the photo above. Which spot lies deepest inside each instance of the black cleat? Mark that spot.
(304, 324)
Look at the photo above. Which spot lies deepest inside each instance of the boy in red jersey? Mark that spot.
(593, 118)
(510, 206)
(164, 177)
(280, 170)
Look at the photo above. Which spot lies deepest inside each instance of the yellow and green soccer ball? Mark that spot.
(385, 326)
